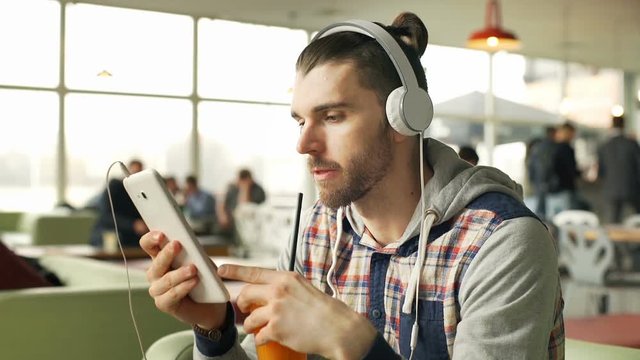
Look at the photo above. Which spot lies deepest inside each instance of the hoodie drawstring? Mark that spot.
(413, 289)
(334, 255)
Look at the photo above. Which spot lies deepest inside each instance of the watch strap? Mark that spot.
(211, 334)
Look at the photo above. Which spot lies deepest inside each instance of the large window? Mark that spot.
(28, 133)
(104, 128)
(29, 43)
(247, 62)
(260, 137)
(114, 49)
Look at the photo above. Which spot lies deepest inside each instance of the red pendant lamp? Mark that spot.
(493, 37)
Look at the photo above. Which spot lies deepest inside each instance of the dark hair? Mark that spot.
(136, 162)
(375, 68)
(568, 126)
(244, 174)
(618, 122)
(192, 180)
(468, 154)
(550, 131)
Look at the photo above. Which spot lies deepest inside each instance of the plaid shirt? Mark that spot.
(372, 279)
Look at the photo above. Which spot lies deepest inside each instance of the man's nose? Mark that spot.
(310, 140)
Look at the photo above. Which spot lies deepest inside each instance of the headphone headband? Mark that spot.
(388, 43)
(409, 108)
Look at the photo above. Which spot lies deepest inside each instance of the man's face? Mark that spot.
(342, 131)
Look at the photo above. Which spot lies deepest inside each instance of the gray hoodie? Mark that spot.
(508, 302)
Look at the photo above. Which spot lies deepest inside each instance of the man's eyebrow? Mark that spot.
(324, 107)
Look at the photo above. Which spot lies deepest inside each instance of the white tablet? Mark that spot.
(160, 212)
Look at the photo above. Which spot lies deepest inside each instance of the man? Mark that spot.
(244, 190)
(130, 223)
(489, 284)
(565, 195)
(199, 207)
(468, 154)
(541, 170)
(619, 170)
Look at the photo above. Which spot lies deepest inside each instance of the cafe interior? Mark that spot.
(203, 88)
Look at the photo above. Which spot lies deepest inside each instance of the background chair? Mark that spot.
(87, 318)
(632, 221)
(576, 217)
(265, 229)
(59, 228)
(10, 221)
(583, 350)
(177, 346)
(596, 285)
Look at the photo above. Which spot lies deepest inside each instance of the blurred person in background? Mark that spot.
(468, 154)
(130, 223)
(172, 185)
(619, 172)
(540, 162)
(199, 207)
(243, 190)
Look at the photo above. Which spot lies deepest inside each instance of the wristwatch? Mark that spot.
(211, 334)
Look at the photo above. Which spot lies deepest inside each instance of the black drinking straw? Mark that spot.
(294, 240)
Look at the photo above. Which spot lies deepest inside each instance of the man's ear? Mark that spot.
(398, 138)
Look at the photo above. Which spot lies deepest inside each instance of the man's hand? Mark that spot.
(169, 288)
(287, 309)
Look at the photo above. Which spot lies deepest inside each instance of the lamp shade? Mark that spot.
(493, 37)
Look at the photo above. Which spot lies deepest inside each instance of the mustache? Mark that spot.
(320, 163)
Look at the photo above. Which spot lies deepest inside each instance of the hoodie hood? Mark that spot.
(455, 183)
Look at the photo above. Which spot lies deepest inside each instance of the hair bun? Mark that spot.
(413, 32)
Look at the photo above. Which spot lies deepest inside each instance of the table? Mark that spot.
(616, 233)
(34, 251)
(618, 329)
(20, 243)
(626, 240)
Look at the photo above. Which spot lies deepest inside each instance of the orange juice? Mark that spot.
(275, 351)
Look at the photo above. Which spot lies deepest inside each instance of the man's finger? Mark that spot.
(258, 318)
(252, 296)
(152, 242)
(249, 274)
(172, 279)
(162, 262)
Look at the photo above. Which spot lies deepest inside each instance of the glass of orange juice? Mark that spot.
(275, 351)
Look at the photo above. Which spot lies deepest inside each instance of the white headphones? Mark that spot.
(409, 107)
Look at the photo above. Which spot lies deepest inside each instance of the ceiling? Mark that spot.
(602, 33)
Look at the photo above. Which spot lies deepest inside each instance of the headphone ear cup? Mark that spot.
(409, 112)
(417, 109)
(395, 114)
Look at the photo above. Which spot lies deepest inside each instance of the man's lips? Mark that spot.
(324, 174)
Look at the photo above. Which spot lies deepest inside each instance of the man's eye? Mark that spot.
(332, 118)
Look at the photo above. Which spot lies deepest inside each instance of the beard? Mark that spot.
(361, 173)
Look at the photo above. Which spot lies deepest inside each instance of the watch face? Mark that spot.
(214, 334)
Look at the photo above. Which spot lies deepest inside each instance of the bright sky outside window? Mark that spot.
(29, 43)
(145, 52)
(104, 128)
(27, 149)
(261, 137)
(247, 62)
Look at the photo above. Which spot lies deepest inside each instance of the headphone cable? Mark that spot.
(124, 258)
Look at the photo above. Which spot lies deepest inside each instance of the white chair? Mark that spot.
(264, 229)
(632, 221)
(248, 218)
(576, 217)
(572, 217)
(587, 262)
